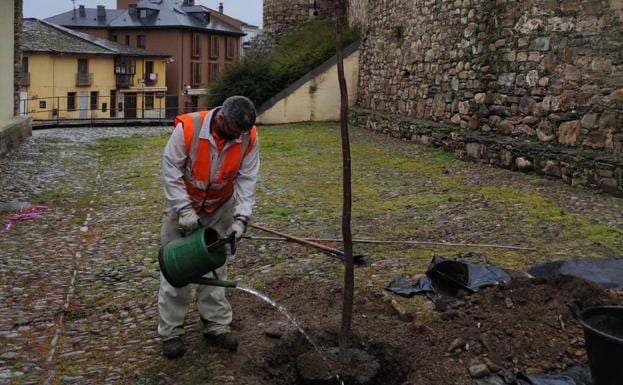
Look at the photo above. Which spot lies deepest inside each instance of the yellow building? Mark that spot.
(72, 75)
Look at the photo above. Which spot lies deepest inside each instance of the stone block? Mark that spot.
(464, 107)
(569, 132)
(590, 121)
(552, 168)
(473, 122)
(540, 44)
(523, 164)
(475, 150)
(608, 120)
(615, 96)
(506, 158)
(506, 127)
(610, 186)
(532, 78)
(572, 73)
(598, 139)
(507, 79)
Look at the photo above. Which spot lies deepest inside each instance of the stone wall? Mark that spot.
(546, 71)
(283, 15)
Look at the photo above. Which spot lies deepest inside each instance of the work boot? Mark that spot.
(225, 341)
(173, 348)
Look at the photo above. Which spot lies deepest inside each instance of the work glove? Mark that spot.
(188, 220)
(239, 227)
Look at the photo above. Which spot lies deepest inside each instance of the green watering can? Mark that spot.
(187, 259)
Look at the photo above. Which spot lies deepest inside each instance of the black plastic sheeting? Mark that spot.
(607, 273)
(576, 375)
(446, 277)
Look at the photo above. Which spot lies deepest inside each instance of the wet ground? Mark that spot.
(78, 284)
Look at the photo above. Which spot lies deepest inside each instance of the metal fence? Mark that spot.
(94, 107)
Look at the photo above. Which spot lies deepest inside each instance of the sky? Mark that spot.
(249, 11)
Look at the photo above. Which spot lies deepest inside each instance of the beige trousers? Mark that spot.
(213, 307)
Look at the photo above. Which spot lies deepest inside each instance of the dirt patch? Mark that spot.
(523, 326)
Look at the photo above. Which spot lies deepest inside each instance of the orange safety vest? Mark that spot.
(210, 185)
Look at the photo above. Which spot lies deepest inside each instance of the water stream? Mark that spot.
(292, 319)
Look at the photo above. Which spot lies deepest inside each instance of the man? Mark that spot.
(210, 169)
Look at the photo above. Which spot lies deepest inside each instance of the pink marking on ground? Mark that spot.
(32, 212)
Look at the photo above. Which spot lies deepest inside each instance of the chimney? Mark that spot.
(132, 9)
(220, 7)
(81, 11)
(189, 3)
(101, 13)
(123, 4)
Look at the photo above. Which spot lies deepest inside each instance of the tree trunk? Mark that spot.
(349, 280)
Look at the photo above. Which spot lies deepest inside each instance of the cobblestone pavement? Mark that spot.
(71, 288)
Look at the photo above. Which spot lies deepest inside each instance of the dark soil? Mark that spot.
(524, 326)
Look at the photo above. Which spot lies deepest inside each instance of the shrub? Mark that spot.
(260, 76)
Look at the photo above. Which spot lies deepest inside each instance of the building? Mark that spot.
(201, 41)
(71, 75)
(13, 129)
(252, 32)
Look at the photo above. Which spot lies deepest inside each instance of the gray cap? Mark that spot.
(239, 110)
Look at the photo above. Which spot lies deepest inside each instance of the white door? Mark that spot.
(23, 103)
(83, 104)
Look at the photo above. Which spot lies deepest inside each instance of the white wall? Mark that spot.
(6, 59)
(318, 99)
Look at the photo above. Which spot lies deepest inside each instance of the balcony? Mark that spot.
(84, 79)
(24, 79)
(150, 79)
(124, 81)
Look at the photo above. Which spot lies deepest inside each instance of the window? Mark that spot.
(141, 41)
(42, 103)
(113, 38)
(71, 101)
(94, 97)
(149, 101)
(149, 67)
(196, 49)
(127, 39)
(213, 70)
(231, 48)
(214, 46)
(83, 66)
(24, 65)
(125, 66)
(195, 73)
(142, 13)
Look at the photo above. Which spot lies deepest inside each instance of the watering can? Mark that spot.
(187, 259)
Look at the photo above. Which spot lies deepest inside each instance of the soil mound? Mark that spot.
(523, 326)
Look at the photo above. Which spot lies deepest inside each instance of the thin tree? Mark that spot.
(349, 280)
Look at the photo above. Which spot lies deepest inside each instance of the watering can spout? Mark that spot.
(187, 260)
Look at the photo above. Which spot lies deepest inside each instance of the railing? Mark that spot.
(84, 79)
(124, 81)
(126, 106)
(151, 78)
(24, 79)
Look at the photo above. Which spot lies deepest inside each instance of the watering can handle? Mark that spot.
(231, 239)
(576, 309)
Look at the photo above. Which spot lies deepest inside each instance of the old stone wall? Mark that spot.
(546, 71)
(284, 15)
